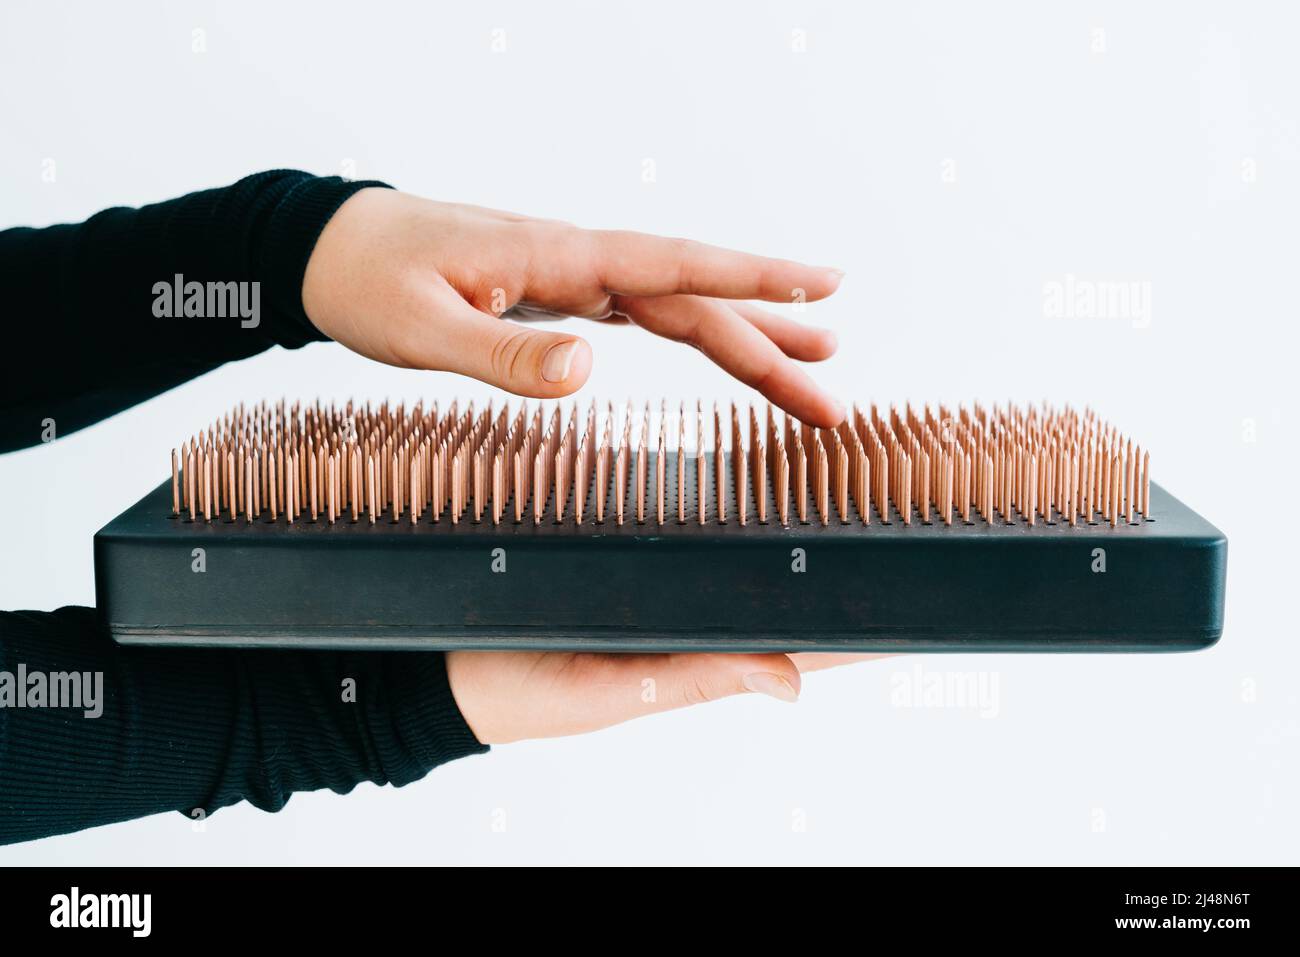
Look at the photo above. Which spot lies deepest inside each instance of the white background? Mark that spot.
(1163, 149)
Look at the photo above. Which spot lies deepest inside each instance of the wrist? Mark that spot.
(323, 220)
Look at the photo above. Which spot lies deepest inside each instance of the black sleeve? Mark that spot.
(199, 729)
(191, 730)
(81, 340)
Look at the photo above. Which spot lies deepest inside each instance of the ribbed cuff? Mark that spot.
(287, 245)
(426, 719)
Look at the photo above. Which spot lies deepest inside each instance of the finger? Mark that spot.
(805, 343)
(737, 346)
(688, 679)
(635, 264)
(521, 360)
(807, 661)
(603, 690)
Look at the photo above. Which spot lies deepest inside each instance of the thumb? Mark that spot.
(709, 677)
(530, 362)
(597, 691)
(680, 680)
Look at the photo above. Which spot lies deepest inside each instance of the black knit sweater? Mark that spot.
(188, 730)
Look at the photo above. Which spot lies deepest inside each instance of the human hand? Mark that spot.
(513, 696)
(422, 284)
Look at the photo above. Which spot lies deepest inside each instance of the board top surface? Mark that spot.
(150, 519)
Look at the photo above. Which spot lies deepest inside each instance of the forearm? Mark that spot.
(93, 324)
(199, 730)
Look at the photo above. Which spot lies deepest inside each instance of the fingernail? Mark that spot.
(774, 686)
(556, 362)
(836, 274)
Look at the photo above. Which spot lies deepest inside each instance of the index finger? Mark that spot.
(636, 264)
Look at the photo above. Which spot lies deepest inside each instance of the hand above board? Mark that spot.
(423, 284)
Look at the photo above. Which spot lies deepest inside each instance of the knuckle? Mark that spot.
(548, 234)
(508, 353)
(534, 235)
(692, 332)
(764, 379)
(683, 249)
(697, 690)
